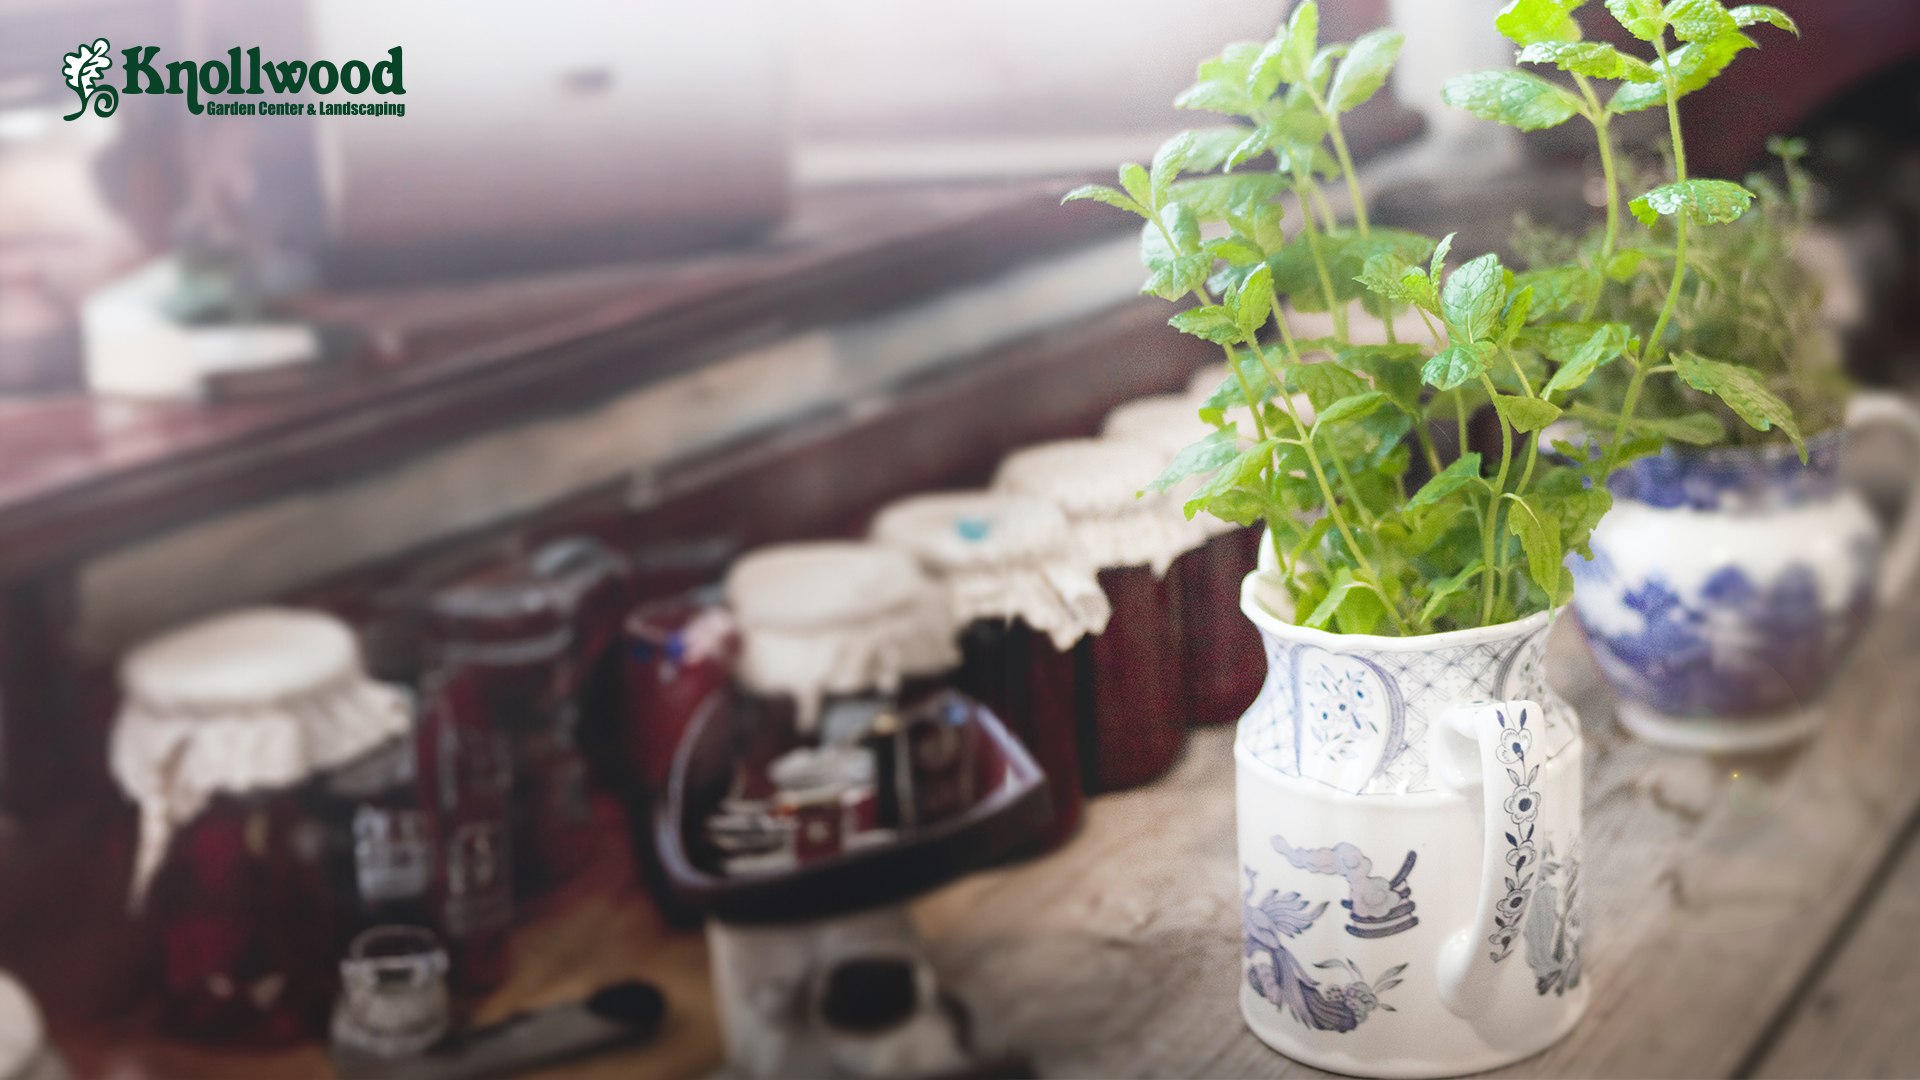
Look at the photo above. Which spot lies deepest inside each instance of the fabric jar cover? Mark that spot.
(836, 617)
(1098, 484)
(1001, 556)
(23, 1036)
(1168, 423)
(250, 699)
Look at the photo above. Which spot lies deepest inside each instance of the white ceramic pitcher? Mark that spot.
(1409, 835)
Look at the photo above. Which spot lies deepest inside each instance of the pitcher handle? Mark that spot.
(1468, 744)
(1903, 554)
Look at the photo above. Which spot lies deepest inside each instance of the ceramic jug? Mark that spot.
(1728, 585)
(1409, 838)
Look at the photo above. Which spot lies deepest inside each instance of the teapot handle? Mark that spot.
(1903, 554)
(1485, 747)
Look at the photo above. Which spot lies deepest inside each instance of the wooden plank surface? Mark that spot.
(1713, 884)
(1857, 1018)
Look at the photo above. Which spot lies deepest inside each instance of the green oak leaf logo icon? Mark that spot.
(83, 69)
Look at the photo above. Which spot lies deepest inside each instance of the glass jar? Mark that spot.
(1225, 663)
(1131, 682)
(465, 778)
(379, 848)
(512, 636)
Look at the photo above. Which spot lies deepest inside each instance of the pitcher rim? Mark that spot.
(1267, 622)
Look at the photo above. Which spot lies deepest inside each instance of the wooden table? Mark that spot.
(1746, 916)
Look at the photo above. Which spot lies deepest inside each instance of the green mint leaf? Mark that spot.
(1105, 194)
(1698, 20)
(1473, 298)
(1439, 591)
(1321, 69)
(1789, 149)
(1212, 146)
(1641, 18)
(1525, 22)
(1202, 458)
(1624, 264)
(1253, 302)
(1717, 201)
(1173, 274)
(1514, 98)
(1539, 534)
(1237, 250)
(1168, 162)
(1555, 288)
(1693, 65)
(1526, 414)
(1222, 82)
(1365, 69)
(1752, 14)
(1361, 611)
(1229, 395)
(1212, 321)
(1239, 507)
(1343, 583)
(1699, 429)
(1601, 347)
(1464, 470)
(1459, 364)
(1268, 230)
(1439, 259)
(1302, 42)
(1135, 180)
(1349, 409)
(1594, 59)
(1518, 308)
(1219, 198)
(1394, 370)
(1741, 389)
(1326, 383)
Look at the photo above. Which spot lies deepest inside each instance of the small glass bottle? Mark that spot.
(513, 635)
(380, 850)
(465, 777)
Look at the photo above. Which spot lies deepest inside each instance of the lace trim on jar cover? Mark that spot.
(1099, 484)
(1001, 556)
(836, 617)
(240, 702)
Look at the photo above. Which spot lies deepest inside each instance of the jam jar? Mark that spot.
(1225, 661)
(511, 635)
(464, 770)
(834, 637)
(1023, 594)
(224, 726)
(1130, 680)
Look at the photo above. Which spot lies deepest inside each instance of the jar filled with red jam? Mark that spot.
(227, 728)
(1022, 595)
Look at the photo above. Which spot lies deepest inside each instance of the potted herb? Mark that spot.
(1736, 570)
(1372, 770)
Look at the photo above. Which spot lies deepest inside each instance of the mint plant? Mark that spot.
(1712, 322)
(1359, 552)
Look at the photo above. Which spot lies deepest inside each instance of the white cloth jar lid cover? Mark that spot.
(1001, 555)
(836, 617)
(1098, 484)
(250, 699)
(22, 1034)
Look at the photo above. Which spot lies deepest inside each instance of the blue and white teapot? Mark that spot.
(1728, 585)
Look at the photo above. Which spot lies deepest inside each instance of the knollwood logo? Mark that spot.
(85, 69)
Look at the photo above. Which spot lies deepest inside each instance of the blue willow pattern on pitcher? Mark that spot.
(1282, 979)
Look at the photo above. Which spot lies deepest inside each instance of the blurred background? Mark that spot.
(684, 278)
